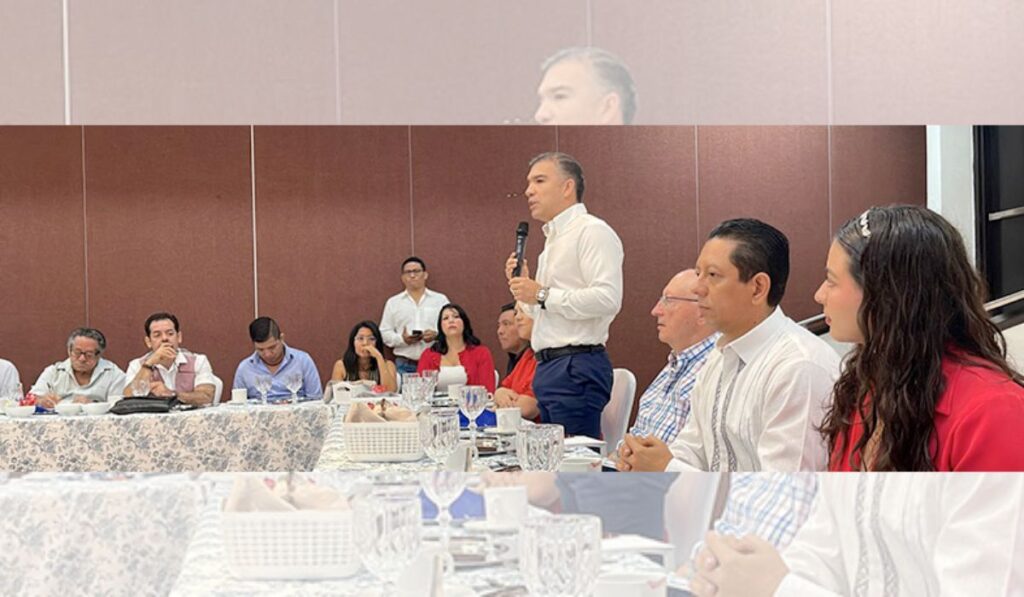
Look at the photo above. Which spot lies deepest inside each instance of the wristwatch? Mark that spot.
(542, 296)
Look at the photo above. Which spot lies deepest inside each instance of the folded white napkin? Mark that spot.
(252, 494)
(361, 412)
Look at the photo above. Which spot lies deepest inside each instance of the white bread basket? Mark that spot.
(305, 544)
(383, 442)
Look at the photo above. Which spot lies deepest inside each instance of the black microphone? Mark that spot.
(521, 231)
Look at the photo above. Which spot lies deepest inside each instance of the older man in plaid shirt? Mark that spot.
(665, 405)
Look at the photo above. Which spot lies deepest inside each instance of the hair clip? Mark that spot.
(864, 230)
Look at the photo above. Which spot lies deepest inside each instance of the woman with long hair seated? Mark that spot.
(459, 357)
(364, 359)
(927, 385)
(517, 388)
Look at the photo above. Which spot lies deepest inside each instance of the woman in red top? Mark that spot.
(457, 346)
(927, 386)
(517, 389)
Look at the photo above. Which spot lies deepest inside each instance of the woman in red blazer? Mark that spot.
(927, 385)
(457, 346)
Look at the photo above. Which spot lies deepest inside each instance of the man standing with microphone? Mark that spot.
(574, 298)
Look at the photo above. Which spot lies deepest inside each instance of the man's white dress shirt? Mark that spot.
(8, 376)
(401, 312)
(582, 265)
(910, 534)
(758, 402)
(204, 372)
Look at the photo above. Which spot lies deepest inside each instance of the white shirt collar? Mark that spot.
(750, 344)
(560, 222)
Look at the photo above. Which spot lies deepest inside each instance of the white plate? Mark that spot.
(485, 526)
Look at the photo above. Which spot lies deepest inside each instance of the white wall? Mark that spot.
(1015, 345)
(950, 151)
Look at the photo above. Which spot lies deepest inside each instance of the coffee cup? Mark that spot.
(506, 505)
(239, 395)
(581, 464)
(508, 419)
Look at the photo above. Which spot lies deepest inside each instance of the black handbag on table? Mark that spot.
(144, 404)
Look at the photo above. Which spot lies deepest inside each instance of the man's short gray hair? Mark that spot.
(569, 167)
(611, 71)
(90, 333)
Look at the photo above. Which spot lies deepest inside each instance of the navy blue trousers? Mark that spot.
(573, 390)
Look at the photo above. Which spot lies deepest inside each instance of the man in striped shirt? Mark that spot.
(665, 405)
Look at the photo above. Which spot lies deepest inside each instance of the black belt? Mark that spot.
(550, 354)
(407, 359)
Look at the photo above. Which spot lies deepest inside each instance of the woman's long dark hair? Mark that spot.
(441, 345)
(351, 360)
(921, 298)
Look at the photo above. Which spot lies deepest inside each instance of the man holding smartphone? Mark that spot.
(409, 318)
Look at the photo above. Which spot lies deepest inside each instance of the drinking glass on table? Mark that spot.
(443, 488)
(140, 387)
(263, 384)
(431, 384)
(561, 554)
(294, 383)
(413, 391)
(388, 529)
(540, 447)
(472, 400)
(439, 434)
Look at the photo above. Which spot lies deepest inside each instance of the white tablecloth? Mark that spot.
(223, 438)
(95, 537)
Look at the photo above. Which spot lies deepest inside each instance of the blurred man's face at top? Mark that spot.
(572, 93)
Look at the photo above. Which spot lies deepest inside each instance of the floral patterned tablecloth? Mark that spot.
(223, 438)
(91, 536)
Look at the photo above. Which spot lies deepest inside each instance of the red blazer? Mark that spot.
(475, 359)
(520, 380)
(979, 423)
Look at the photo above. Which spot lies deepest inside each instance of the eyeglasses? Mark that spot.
(667, 300)
(88, 354)
(365, 339)
(412, 272)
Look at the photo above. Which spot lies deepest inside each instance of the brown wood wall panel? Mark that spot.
(876, 165)
(42, 263)
(168, 217)
(778, 175)
(641, 180)
(453, 62)
(333, 225)
(170, 229)
(468, 194)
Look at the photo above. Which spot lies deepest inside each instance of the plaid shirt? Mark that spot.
(665, 405)
(772, 506)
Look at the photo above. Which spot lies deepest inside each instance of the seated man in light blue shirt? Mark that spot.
(278, 361)
(85, 376)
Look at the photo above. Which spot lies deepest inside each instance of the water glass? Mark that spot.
(388, 529)
(439, 434)
(431, 376)
(294, 383)
(443, 488)
(140, 387)
(263, 385)
(560, 555)
(413, 391)
(540, 447)
(472, 400)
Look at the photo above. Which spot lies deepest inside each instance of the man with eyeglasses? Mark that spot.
(665, 405)
(409, 318)
(82, 377)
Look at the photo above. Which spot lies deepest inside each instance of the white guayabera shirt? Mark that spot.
(758, 402)
(911, 534)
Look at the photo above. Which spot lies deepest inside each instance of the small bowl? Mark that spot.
(68, 409)
(96, 408)
(20, 411)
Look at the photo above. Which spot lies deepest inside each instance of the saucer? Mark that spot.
(485, 526)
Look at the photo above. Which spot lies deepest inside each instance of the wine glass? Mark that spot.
(293, 382)
(443, 488)
(439, 434)
(472, 400)
(388, 529)
(263, 384)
